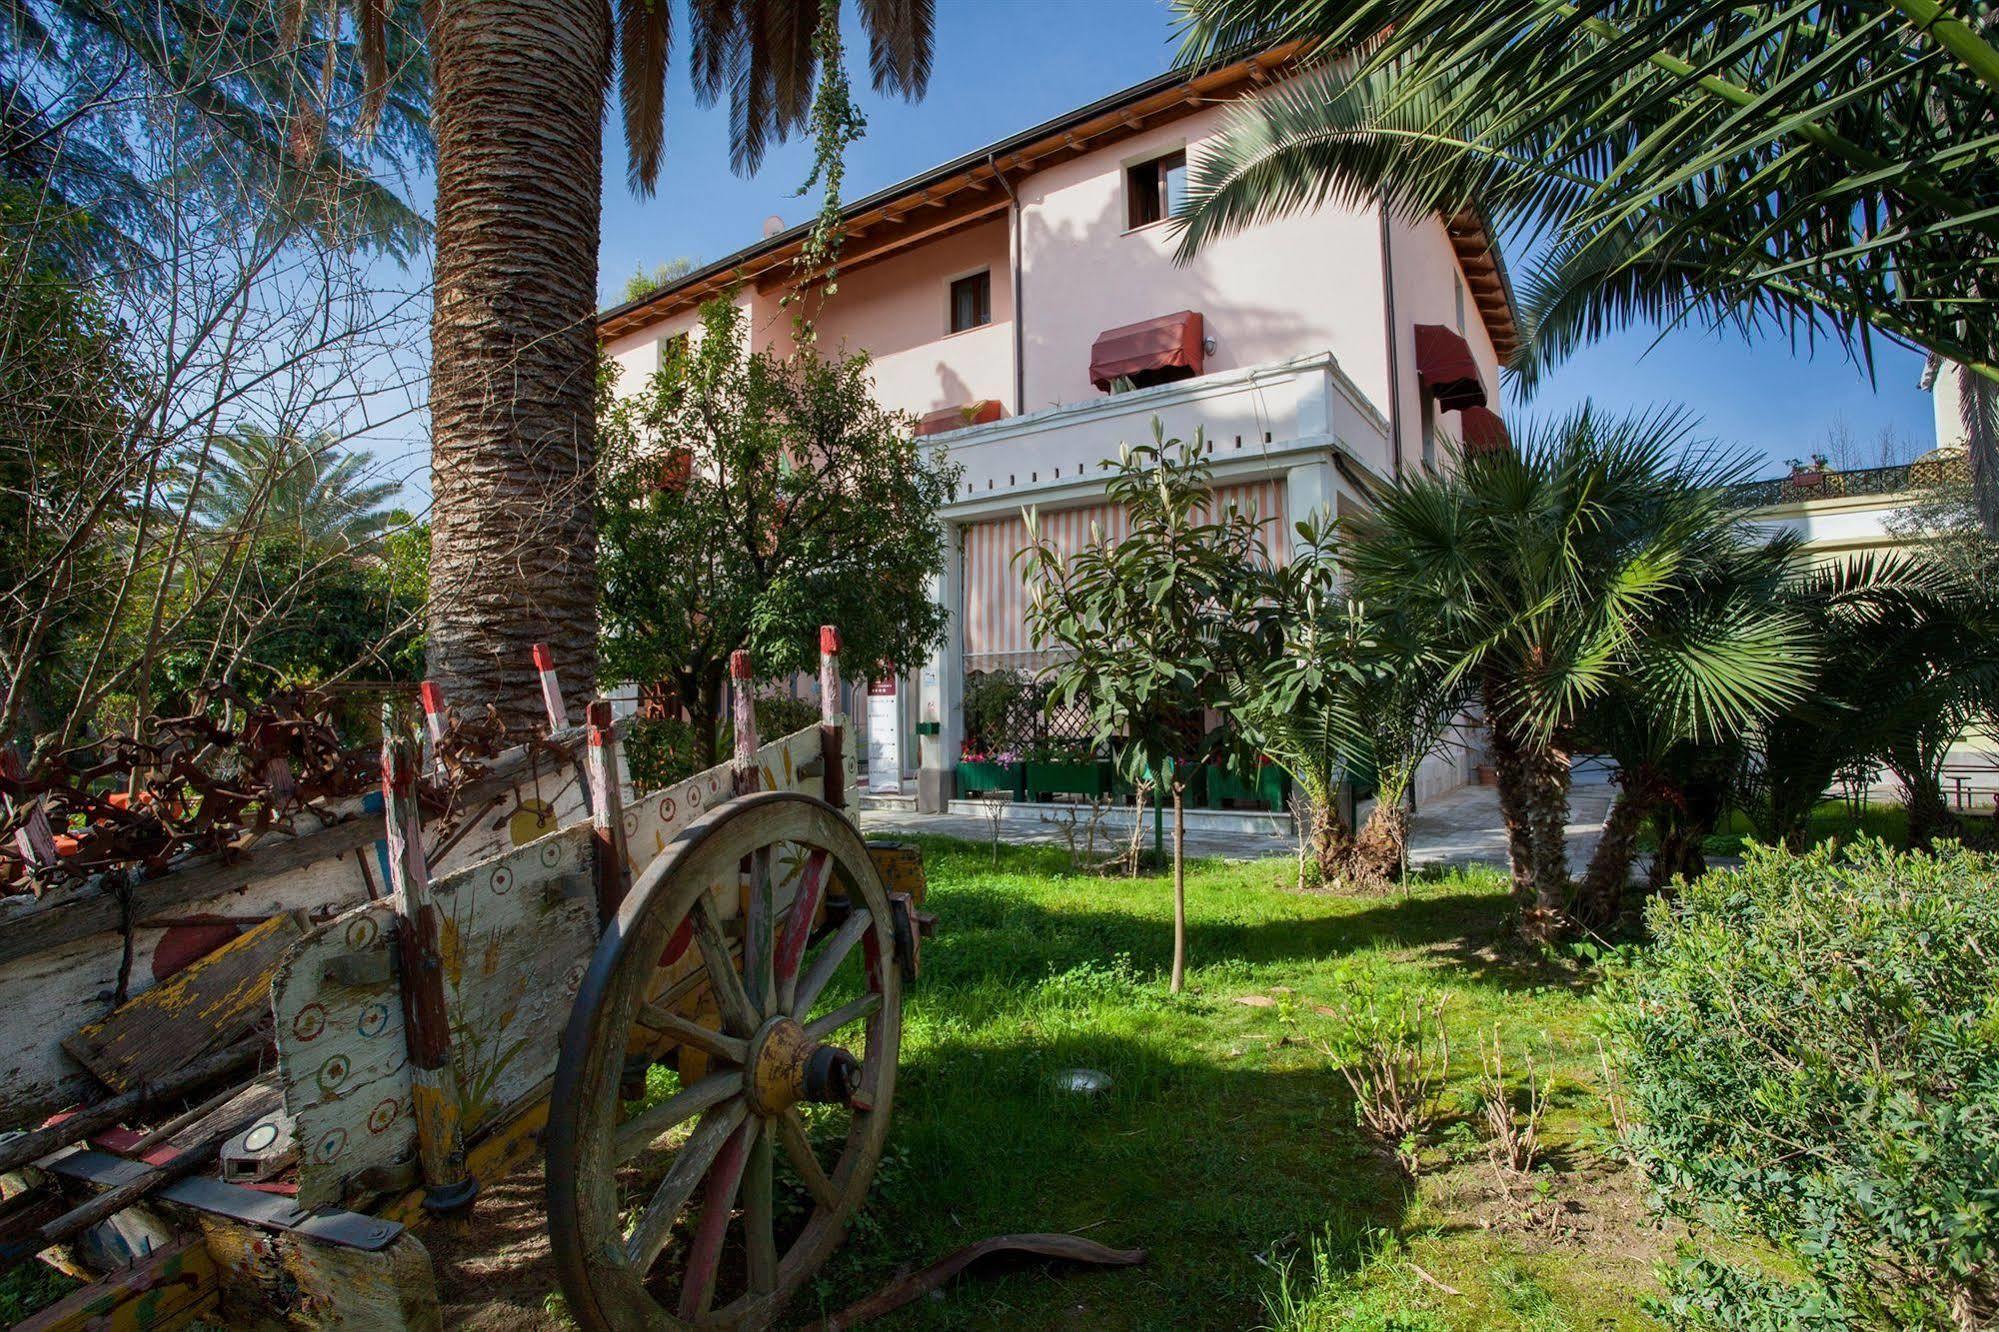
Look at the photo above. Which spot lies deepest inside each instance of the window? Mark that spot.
(1458, 294)
(971, 301)
(1155, 190)
(670, 347)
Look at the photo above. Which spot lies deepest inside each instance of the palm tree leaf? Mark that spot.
(645, 43)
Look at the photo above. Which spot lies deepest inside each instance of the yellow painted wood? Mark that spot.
(167, 1289)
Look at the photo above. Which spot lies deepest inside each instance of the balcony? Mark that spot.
(1257, 419)
(1800, 488)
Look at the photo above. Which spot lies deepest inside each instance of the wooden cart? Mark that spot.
(690, 1001)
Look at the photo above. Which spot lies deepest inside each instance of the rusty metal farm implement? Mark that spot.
(688, 1000)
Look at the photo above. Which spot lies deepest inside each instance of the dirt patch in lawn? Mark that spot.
(497, 1274)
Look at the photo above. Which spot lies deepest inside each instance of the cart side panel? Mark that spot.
(517, 936)
(58, 985)
(652, 820)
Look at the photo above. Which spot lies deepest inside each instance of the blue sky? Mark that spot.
(1003, 65)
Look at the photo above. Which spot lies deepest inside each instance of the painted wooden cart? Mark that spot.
(690, 1001)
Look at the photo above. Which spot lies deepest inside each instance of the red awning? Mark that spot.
(1484, 432)
(1444, 363)
(1152, 351)
(957, 418)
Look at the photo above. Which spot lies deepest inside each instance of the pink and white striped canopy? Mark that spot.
(995, 602)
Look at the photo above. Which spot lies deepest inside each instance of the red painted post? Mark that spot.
(742, 697)
(551, 689)
(439, 1113)
(433, 711)
(832, 718)
(558, 713)
(759, 943)
(607, 811)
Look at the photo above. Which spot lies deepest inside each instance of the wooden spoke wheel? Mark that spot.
(710, 1201)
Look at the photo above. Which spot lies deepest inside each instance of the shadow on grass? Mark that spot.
(1218, 1170)
(1014, 939)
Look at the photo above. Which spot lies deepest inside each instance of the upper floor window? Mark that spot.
(972, 301)
(1458, 294)
(1154, 190)
(671, 347)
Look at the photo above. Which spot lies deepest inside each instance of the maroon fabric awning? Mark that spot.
(1444, 362)
(1484, 432)
(957, 418)
(1152, 351)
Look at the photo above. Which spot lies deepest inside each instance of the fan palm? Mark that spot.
(1733, 598)
(1816, 170)
(1550, 578)
(1351, 693)
(318, 497)
(1905, 664)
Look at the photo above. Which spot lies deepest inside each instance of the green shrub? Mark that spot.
(1812, 1054)
(778, 715)
(660, 751)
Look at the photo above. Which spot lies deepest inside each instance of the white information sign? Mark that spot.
(884, 738)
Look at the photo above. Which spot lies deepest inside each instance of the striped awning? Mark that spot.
(995, 620)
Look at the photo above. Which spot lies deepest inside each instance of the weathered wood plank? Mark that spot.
(280, 1279)
(46, 995)
(212, 1004)
(29, 926)
(516, 935)
(167, 1288)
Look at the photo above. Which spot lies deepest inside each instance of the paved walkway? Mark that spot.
(1462, 827)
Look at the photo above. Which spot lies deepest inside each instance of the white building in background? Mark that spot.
(1003, 296)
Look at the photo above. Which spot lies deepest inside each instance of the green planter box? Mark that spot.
(1084, 779)
(1266, 789)
(976, 777)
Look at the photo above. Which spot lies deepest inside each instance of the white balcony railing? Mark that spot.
(1253, 417)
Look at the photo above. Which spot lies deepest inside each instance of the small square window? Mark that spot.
(972, 301)
(1155, 190)
(671, 348)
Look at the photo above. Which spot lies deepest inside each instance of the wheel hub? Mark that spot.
(786, 1066)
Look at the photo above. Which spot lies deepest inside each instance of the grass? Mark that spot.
(1830, 819)
(1227, 1145)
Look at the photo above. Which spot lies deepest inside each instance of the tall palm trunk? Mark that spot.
(1534, 800)
(517, 116)
(1600, 895)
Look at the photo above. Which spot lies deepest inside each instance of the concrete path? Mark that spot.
(1464, 827)
(1461, 827)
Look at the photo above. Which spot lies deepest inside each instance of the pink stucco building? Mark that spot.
(999, 294)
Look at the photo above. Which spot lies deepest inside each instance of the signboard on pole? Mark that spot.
(884, 738)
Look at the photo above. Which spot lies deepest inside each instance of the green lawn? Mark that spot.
(1831, 818)
(1227, 1147)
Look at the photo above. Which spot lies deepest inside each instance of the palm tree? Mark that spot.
(1736, 590)
(307, 491)
(1547, 578)
(1802, 169)
(1904, 666)
(1350, 693)
(284, 107)
(519, 101)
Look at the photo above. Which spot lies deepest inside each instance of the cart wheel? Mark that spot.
(782, 1126)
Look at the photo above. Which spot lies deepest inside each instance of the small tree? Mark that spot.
(1154, 627)
(748, 498)
(1350, 692)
